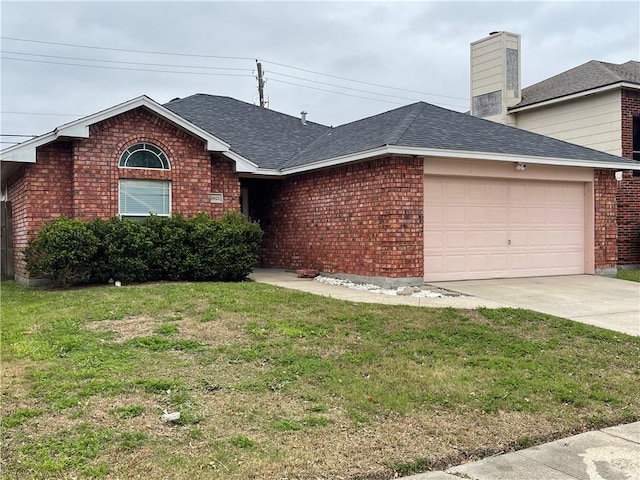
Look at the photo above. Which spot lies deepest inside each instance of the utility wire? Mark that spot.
(15, 135)
(360, 81)
(332, 91)
(352, 89)
(128, 68)
(123, 62)
(233, 58)
(191, 66)
(125, 49)
(38, 113)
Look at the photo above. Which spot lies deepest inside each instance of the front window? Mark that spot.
(144, 155)
(141, 198)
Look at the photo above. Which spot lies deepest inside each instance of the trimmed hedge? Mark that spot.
(71, 252)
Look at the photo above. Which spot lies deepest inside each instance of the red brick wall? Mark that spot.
(17, 195)
(79, 179)
(360, 219)
(606, 231)
(193, 174)
(629, 188)
(224, 180)
(40, 193)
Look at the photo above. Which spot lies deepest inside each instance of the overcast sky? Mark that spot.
(420, 49)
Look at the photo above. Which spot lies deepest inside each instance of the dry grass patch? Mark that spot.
(273, 384)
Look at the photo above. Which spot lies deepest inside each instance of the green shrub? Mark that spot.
(156, 248)
(63, 252)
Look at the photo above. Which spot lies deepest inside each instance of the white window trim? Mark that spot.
(141, 215)
(145, 168)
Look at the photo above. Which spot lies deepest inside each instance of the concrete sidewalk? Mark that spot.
(287, 279)
(609, 454)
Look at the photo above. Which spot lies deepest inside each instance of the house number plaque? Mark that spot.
(216, 198)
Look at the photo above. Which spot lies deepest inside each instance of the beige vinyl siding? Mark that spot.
(592, 121)
(487, 70)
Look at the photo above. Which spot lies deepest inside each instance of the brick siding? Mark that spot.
(360, 219)
(79, 179)
(629, 188)
(606, 231)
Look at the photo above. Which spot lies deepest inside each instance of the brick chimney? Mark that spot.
(495, 76)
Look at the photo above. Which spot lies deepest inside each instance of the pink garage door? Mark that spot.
(494, 228)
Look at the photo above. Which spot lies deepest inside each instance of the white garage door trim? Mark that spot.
(506, 226)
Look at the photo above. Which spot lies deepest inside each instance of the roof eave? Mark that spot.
(462, 154)
(26, 151)
(242, 164)
(573, 96)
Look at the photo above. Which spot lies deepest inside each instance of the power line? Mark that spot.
(127, 68)
(360, 81)
(234, 58)
(15, 135)
(193, 66)
(353, 89)
(125, 49)
(337, 93)
(39, 113)
(122, 62)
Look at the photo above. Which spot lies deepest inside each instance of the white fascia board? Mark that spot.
(331, 162)
(80, 128)
(26, 151)
(242, 164)
(462, 154)
(502, 157)
(573, 96)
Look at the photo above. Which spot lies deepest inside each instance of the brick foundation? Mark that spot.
(629, 188)
(361, 219)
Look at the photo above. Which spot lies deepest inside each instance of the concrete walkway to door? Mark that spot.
(601, 301)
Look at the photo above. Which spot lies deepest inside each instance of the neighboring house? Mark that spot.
(419, 193)
(596, 105)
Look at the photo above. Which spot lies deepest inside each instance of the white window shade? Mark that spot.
(139, 198)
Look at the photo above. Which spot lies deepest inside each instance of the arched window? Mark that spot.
(144, 155)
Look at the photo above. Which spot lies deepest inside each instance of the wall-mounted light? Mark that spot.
(521, 166)
(619, 176)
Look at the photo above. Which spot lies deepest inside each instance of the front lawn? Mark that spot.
(632, 275)
(273, 383)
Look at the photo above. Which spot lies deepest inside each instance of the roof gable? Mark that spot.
(588, 76)
(26, 151)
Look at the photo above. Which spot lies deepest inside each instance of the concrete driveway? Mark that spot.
(601, 301)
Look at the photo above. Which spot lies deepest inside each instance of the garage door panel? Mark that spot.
(477, 215)
(455, 239)
(455, 214)
(476, 263)
(491, 228)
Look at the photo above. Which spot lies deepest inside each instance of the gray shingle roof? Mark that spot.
(593, 74)
(277, 141)
(262, 136)
(423, 125)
